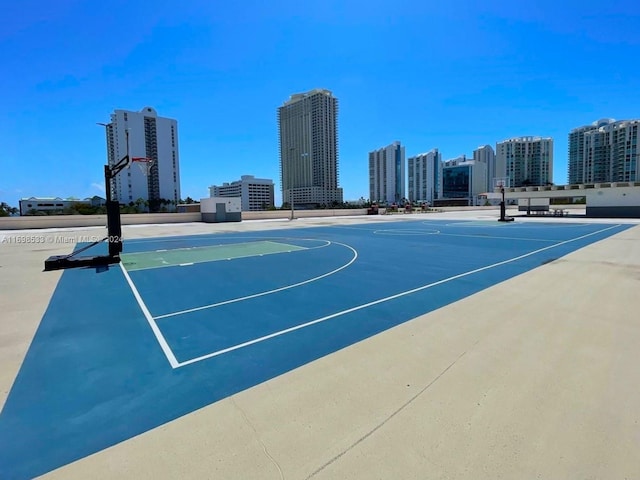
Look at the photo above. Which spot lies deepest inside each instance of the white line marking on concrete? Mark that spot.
(154, 326)
(268, 292)
(382, 300)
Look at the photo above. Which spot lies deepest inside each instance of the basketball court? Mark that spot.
(185, 321)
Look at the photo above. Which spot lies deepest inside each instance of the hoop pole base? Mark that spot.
(62, 262)
(503, 209)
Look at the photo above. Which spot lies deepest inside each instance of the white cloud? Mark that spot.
(98, 186)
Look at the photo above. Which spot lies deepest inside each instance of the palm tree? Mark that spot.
(4, 209)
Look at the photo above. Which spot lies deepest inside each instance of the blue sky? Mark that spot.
(451, 75)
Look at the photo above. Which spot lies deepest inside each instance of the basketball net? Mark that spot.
(143, 163)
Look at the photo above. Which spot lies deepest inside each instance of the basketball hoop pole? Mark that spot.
(114, 227)
(503, 208)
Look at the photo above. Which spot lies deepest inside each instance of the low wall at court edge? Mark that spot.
(76, 221)
(275, 214)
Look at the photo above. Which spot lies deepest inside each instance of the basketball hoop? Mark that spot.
(144, 164)
(501, 182)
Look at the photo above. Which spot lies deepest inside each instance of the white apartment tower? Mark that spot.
(425, 176)
(255, 193)
(485, 154)
(576, 150)
(308, 130)
(525, 160)
(152, 137)
(386, 174)
(605, 151)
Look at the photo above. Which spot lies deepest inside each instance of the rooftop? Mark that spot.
(531, 376)
(526, 138)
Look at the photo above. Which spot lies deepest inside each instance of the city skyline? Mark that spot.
(526, 73)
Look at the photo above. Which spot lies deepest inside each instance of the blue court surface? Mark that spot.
(186, 321)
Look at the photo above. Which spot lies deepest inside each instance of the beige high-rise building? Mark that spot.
(255, 193)
(308, 130)
(525, 160)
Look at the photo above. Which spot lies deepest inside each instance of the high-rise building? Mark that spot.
(605, 151)
(525, 160)
(576, 159)
(308, 130)
(487, 155)
(425, 176)
(255, 193)
(152, 137)
(386, 174)
(463, 179)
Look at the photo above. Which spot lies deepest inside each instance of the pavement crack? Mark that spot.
(264, 447)
(393, 414)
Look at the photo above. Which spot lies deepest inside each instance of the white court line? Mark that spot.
(168, 265)
(382, 300)
(433, 232)
(154, 326)
(217, 245)
(211, 236)
(491, 224)
(256, 295)
(407, 232)
(498, 238)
